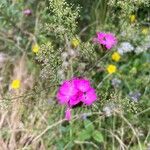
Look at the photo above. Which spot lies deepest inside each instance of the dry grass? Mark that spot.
(11, 122)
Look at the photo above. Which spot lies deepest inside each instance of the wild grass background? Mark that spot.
(31, 118)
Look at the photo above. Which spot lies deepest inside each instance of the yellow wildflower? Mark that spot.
(145, 30)
(35, 48)
(116, 56)
(132, 18)
(111, 69)
(15, 84)
(75, 42)
(133, 70)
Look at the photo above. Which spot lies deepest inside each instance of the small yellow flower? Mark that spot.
(145, 30)
(132, 18)
(111, 69)
(133, 71)
(15, 84)
(146, 65)
(75, 42)
(116, 56)
(35, 48)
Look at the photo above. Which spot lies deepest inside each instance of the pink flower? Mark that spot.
(74, 91)
(27, 12)
(66, 92)
(74, 100)
(82, 84)
(106, 39)
(68, 114)
(89, 97)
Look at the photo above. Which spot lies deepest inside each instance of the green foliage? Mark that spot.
(98, 136)
(129, 7)
(87, 52)
(10, 13)
(62, 19)
(84, 135)
(50, 60)
(89, 132)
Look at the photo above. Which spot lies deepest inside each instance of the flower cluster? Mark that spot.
(109, 109)
(145, 46)
(115, 82)
(75, 91)
(125, 47)
(108, 40)
(135, 96)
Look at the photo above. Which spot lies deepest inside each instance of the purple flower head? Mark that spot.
(107, 40)
(116, 82)
(27, 12)
(135, 96)
(75, 91)
(84, 116)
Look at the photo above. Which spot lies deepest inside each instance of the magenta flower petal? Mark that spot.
(68, 114)
(74, 100)
(82, 84)
(63, 99)
(68, 88)
(27, 12)
(89, 97)
(110, 41)
(106, 39)
(74, 91)
(101, 36)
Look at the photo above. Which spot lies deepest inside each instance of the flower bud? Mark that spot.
(27, 12)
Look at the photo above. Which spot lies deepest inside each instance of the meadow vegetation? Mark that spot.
(75, 75)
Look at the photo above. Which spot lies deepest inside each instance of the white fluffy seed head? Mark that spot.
(64, 55)
(65, 65)
(81, 67)
(61, 74)
(72, 53)
(3, 57)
